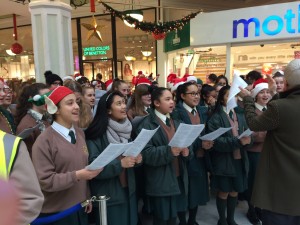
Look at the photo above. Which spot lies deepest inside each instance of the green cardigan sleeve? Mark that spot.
(113, 169)
(226, 142)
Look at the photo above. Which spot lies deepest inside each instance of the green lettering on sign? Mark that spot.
(98, 50)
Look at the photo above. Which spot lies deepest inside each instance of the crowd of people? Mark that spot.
(71, 121)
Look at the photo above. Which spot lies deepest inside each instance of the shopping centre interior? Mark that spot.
(137, 49)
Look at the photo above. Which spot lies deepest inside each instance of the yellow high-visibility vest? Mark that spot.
(8, 150)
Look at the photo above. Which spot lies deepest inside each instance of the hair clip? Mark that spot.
(108, 96)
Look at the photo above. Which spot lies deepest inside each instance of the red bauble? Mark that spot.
(159, 36)
(16, 48)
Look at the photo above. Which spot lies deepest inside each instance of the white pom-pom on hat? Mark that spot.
(36, 98)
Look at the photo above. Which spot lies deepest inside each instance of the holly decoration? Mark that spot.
(159, 36)
(154, 28)
(16, 48)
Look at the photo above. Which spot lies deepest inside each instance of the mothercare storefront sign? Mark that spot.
(271, 22)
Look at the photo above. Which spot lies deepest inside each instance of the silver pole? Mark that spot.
(102, 209)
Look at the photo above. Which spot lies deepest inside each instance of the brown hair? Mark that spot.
(136, 104)
(23, 105)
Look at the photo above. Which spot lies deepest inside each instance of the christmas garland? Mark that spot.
(156, 28)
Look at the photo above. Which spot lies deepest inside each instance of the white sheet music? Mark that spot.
(215, 134)
(140, 142)
(234, 90)
(246, 133)
(185, 135)
(26, 132)
(111, 152)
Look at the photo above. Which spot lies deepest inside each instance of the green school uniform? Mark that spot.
(197, 169)
(167, 193)
(229, 174)
(122, 205)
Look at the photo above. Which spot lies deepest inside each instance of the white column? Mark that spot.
(229, 63)
(162, 59)
(24, 66)
(52, 37)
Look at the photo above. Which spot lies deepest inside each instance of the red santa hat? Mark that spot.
(191, 78)
(143, 80)
(77, 76)
(95, 82)
(108, 84)
(177, 82)
(55, 97)
(170, 79)
(258, 86)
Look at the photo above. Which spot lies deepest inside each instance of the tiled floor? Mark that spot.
(208, 215)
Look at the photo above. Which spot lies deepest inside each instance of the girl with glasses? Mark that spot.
(189, 111)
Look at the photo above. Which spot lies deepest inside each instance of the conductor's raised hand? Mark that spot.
(244, 92)
(271, 85)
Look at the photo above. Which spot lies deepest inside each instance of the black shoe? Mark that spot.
(252, 217)
(224, 223)
(193, 223)
(258, 213)
(231, 223)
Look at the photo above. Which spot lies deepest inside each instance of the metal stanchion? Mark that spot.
(102, 209)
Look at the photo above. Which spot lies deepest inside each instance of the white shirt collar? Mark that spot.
(161, 116)
(63, 131)
(146, 109)
(37, 114)
(225, 110)
(259, 107)
(188, 108)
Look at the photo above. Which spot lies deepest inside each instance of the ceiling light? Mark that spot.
(136, 14)
(146, 53)
(129, 57)
(9, 52)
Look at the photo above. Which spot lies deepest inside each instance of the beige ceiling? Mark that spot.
(128, 39)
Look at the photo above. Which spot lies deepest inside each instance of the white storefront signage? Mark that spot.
(270, 22)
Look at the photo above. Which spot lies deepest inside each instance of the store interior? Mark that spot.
(202, 61)
(136, 50)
